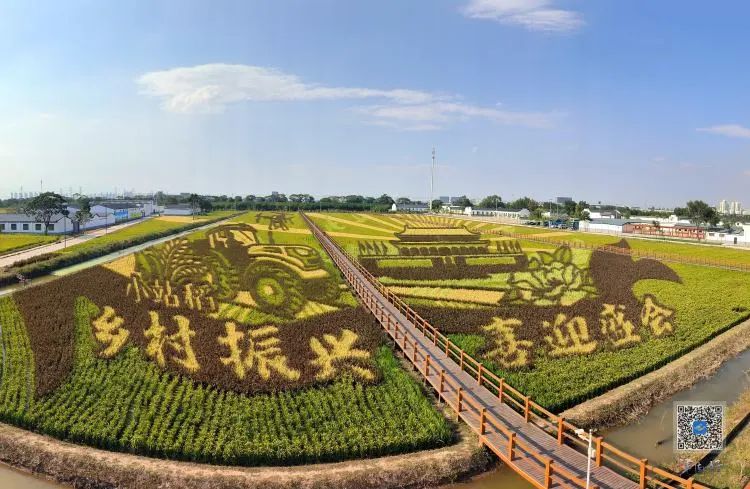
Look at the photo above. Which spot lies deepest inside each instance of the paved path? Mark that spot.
(11, 258)
(531, 451)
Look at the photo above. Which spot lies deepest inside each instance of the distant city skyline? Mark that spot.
(640, 103)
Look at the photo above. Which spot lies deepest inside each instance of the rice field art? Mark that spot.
(236, 345)
(560, 324)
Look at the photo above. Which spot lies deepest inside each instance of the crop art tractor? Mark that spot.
(280, 278)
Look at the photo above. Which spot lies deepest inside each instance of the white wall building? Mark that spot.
(178, 210)
(507, 214)
(124, 211)
(611, 226)
(737, 238)
(21, 223)
(411, 207)
(613, 214)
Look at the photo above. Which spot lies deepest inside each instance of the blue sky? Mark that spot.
(629, 101)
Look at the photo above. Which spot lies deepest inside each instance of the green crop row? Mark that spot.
(129, 404)
(17, 375)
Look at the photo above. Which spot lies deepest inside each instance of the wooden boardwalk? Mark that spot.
(539, 445)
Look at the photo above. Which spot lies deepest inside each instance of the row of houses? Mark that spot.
(102, 214)
(447, 208)
(671, 227)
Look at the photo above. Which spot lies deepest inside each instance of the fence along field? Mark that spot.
(235, 345)
(559, 324)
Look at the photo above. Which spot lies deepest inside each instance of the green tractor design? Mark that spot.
(280, 278)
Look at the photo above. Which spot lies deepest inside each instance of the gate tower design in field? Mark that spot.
(447, 248)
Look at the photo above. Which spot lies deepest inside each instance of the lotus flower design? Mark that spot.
(549, 278)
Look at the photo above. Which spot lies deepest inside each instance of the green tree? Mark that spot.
(462, 201)
(206, 206)
(194, 201)
(44, 206)
(83, 215)
(701, 213)
(492, 202)
(437, 204)
(403, 200)
(578, 211)
(384, 199)
(524, 203)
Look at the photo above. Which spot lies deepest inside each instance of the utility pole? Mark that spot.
(432, 179)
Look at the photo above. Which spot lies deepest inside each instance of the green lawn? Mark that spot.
(15, 242)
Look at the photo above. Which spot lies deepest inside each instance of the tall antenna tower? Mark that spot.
(432, 179)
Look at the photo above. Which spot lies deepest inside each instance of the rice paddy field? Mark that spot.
(16, 242)
(236, 345)
(147, 227)
(675, 247)
(558, 323)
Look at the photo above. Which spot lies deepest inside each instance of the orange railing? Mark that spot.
(476, 416)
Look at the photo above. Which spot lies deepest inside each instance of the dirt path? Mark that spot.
(93, 468)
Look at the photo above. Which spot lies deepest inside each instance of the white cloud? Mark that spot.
(436, 114)
(729, 130)
(534, 15)
(212, 87)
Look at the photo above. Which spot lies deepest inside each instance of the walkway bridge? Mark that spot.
(542, 447)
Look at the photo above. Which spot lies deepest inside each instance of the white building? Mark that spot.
(59, 224)
(726, 207)
(21, 223)
(612, 226)
(507, 214)
(672, 220)
(613, 214)
(741, 238)
(411, 207)
(178, 210)
(124, 211)
(723, 208)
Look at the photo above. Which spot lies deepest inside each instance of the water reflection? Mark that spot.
(500, 478)
(11, 478)
(651, 436)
